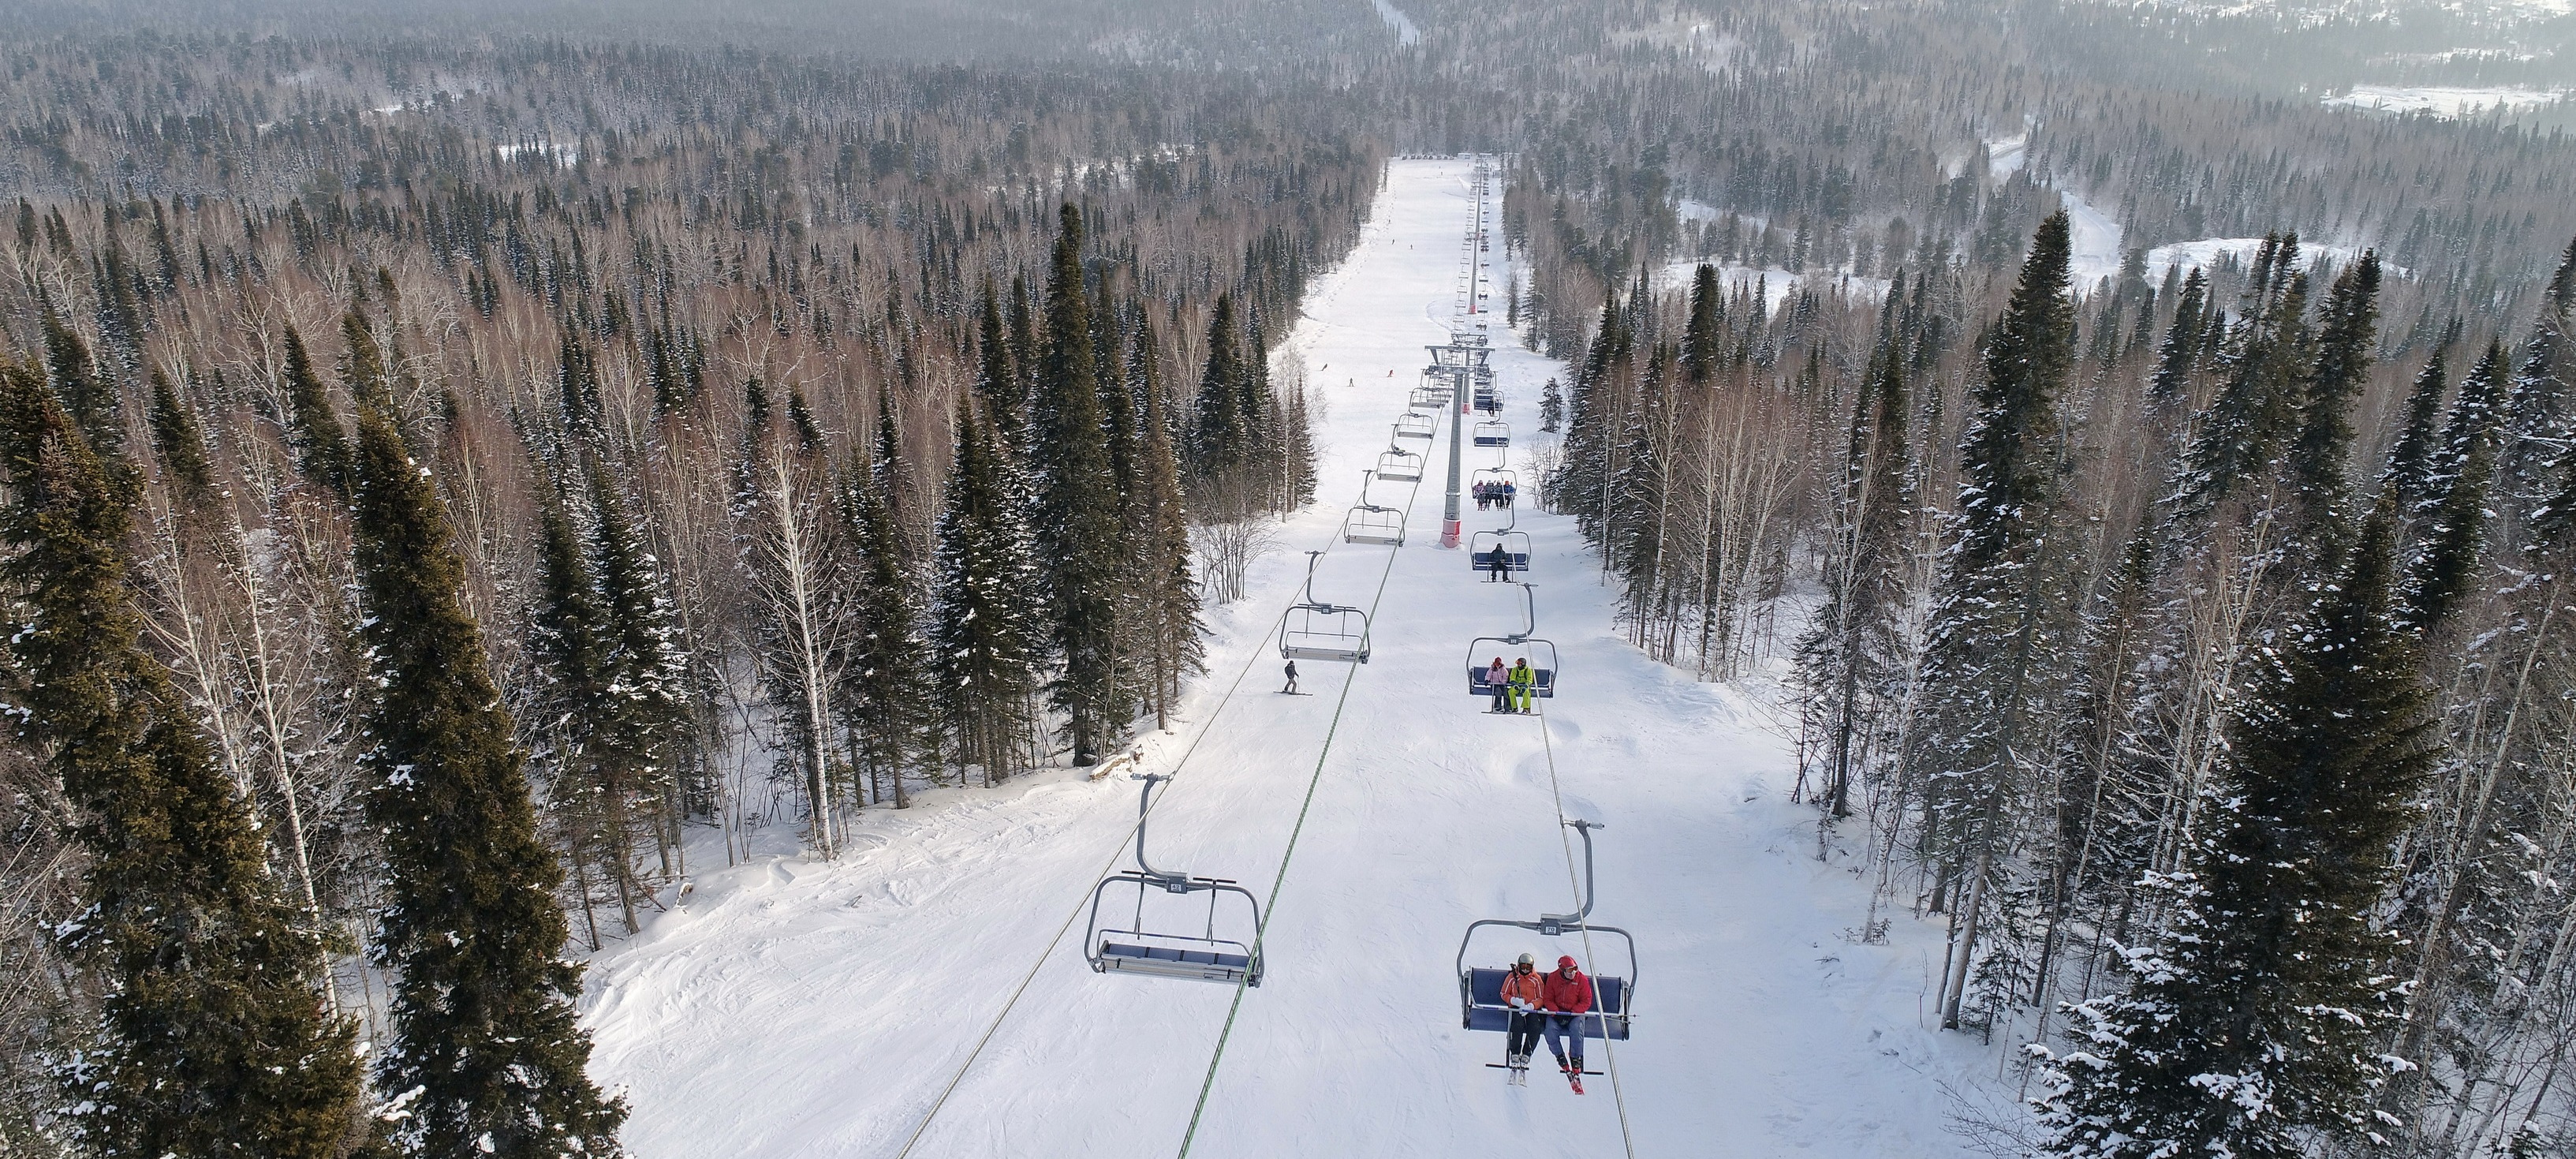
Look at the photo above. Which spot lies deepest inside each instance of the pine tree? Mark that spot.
(985, 642)
(1551, 406)
(212, 1037)
(2249, 1030)
(488, 1057)
(1077, 504)
(2454, 509)
(1997, 640)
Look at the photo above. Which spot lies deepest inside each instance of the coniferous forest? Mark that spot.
(462, 472)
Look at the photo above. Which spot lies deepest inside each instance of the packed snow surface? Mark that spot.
(2444, 102)
(792, 1008)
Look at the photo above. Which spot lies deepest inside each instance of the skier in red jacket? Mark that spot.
(1566, 995)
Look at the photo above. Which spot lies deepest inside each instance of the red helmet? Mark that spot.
(1565, 962)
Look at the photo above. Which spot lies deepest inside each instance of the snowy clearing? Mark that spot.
(793, 1008)
(2444, 102)
(1406, 33)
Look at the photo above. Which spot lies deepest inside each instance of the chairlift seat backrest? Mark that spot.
(1543, 681)
(1486, 1011)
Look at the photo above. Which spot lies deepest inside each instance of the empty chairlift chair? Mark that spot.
(1200, 957)
(1369, 523)
(1314, 630)
(1428, 395)
(1540, 652)
(1493, 433)
(1415, 425)
(1480, 988)
(1400, 465)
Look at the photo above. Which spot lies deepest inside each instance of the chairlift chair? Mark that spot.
(1480, 988)
(1370, 523)
(1430, 396)
(1400, 465)
(1515, 545)
(1315, 630)
(1493, 433)
(1414, 425)
(1201, 957)
(1540, 651)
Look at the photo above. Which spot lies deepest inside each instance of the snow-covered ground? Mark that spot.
(791, 1008)
(1406, 33)
(2444, 102)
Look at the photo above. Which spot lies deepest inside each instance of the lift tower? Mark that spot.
(1460, 360)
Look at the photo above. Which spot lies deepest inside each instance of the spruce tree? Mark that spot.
(985, 640)
(1551, 406)
(1217, 440)
(889, 672)
(650, 733)
(573, 697)
(1159, 534)
(1704, 335)
(2347, 345)
(2410, 462)
(313, 431)
(1854, 649)
(2454, 511)
(2245, 436)
(2250, 1027)
(488, 1057)
(1077, 503)
(212, 1037)
(1998, 635)
(88, 395)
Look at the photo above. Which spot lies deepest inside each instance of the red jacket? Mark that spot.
(1566, 995)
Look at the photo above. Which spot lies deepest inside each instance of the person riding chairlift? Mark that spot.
(1522, 680)
(1498, 565)
(1498, 678)
(1523, 989)
(1566, 995)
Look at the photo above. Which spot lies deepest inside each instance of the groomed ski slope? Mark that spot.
(790, 1008)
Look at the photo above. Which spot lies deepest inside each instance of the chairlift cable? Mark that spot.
(1582, 923)
(1279, 880)
(1111, 864)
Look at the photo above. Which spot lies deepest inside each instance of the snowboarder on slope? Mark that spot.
(1566, 995)
(1292, 679)
(1522, 680)
(1523, 988)
(1498, 678)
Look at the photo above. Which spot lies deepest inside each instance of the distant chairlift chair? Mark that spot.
(1202, 957)
(1415, 425)
(1400, 465)
(1480, 988)
(1493, 433)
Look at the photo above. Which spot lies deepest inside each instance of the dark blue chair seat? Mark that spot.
(1485, 1009)
(1477, 685)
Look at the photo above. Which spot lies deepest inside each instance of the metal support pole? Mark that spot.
(1459, 384)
